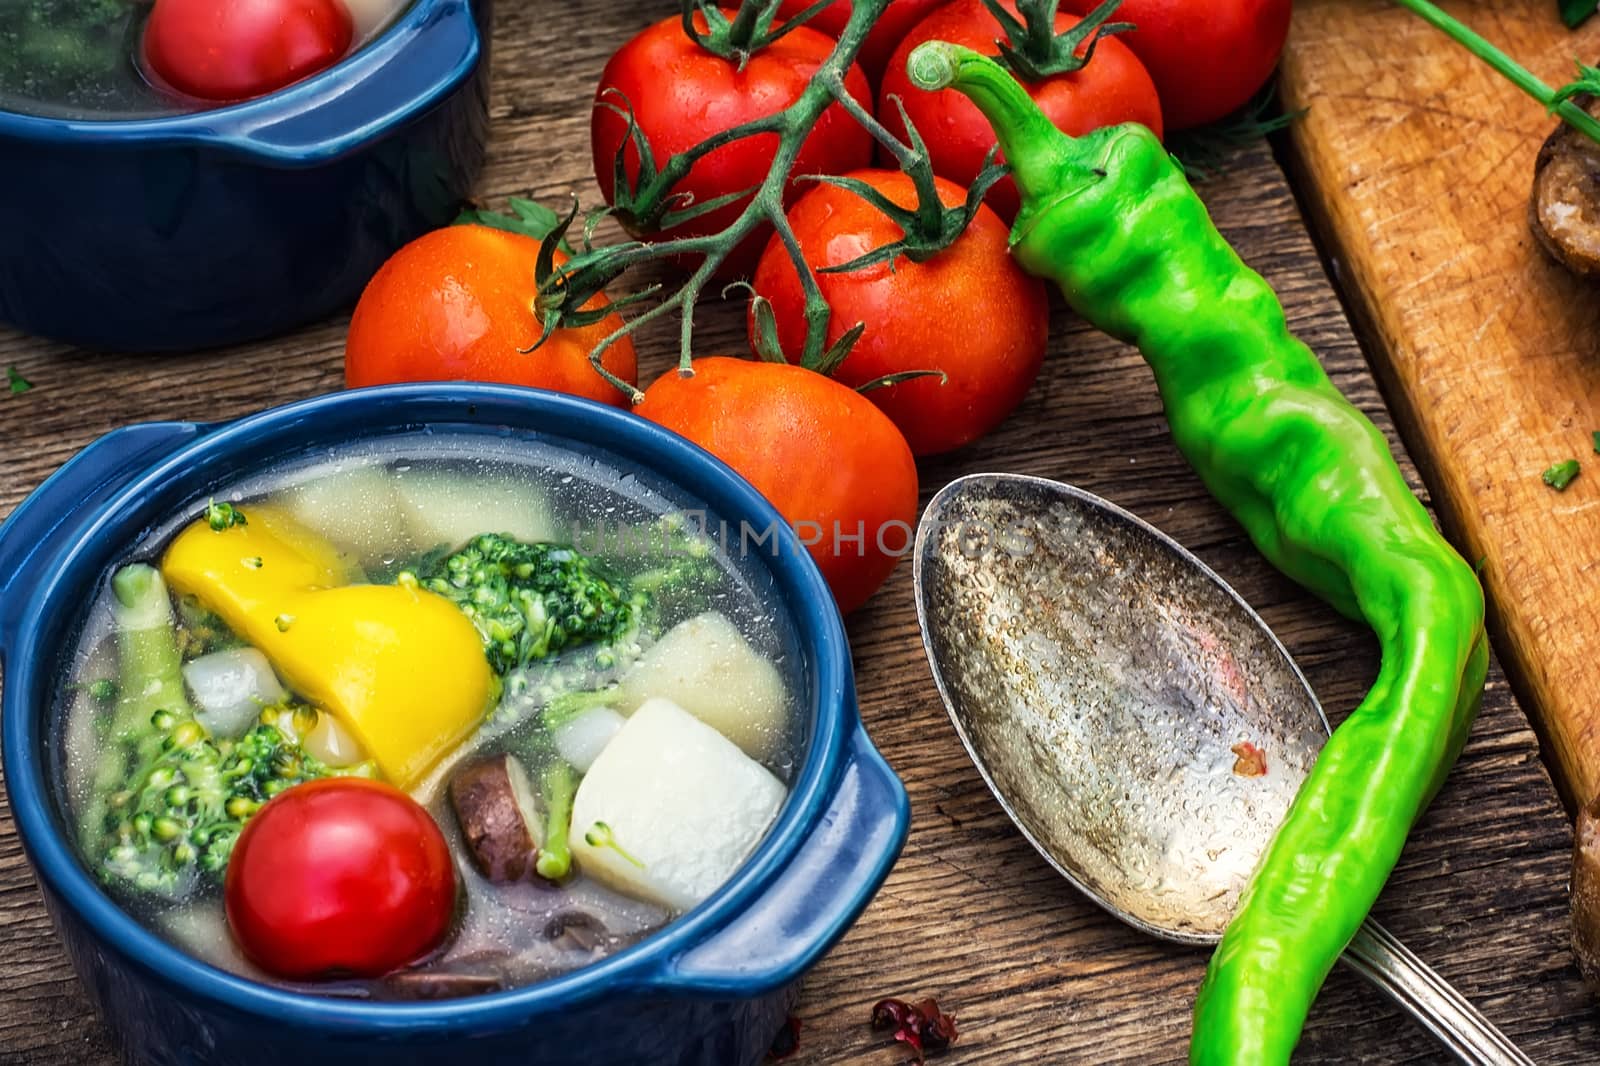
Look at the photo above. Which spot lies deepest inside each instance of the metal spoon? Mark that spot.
(1104, 681)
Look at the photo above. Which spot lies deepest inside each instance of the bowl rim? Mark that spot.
(645, 966)
(231, 122)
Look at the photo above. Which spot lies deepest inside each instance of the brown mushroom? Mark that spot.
(1586, 894)
(1565, 209)
(499, 817)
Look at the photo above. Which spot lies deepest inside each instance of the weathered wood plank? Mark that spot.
(1035, 973)
(1418, 161)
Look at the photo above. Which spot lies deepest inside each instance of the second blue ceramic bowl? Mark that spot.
(195, 230)
(711, 989)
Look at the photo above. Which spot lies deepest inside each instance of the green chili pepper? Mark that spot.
(1111, 218)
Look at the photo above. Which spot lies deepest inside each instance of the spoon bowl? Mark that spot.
(1106, 684)
(1136, 719)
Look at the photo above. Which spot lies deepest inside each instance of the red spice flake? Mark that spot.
(787, 1041)
(1251, 761)
(922, 1027)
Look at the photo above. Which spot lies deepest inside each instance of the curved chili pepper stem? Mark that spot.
(1112, 220)
(1021, 128)
(1554, 101)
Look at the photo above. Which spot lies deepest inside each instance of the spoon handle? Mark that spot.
(1375, 954)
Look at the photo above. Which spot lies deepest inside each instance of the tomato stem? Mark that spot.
(1032, 48)
(749, 31)
(1514, 72)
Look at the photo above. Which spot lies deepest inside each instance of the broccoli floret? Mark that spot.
(168, 800)
(554, 621)
(177, 824)
(530, 601)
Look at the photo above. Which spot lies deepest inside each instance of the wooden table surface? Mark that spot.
(1033, 971)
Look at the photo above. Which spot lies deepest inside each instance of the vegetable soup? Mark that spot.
(430, 717)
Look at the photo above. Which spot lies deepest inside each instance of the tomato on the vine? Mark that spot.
(1112, 87)
(339, 876)
(681, 94)
(885, 35)
(239, 49)
(1208, 57)
(458, 304)
(969, 311)
(833, 465)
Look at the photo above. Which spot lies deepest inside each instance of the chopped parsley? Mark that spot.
(1560, 476)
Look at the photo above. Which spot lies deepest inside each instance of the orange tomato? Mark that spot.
(832, 464)
(457, 305)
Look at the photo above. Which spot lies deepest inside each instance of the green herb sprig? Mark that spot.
(1556, 101)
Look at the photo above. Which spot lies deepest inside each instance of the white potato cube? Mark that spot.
(451, 508)
(705, 666)
(356, 509)
(681, 803)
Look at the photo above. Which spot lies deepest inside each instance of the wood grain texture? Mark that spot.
(1418, 160)
(1035, 973)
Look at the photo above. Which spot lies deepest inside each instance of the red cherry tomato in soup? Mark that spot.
(682, 94)
(226, 50)
(1208, 57)
(1112, 87)
(340, 876)
(887, 33)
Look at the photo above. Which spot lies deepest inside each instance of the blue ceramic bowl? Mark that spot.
(195, 230)
(711, 989)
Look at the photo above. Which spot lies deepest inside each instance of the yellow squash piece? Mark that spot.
(400, 666)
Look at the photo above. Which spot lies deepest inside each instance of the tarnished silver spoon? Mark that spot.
(1119, 698)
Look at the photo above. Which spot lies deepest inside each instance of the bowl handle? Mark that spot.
(401, 74)
(75, 491)
(826, 886)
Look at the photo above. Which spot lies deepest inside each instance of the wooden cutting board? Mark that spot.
(1416, 161)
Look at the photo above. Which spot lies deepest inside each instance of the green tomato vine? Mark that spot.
(649, 202)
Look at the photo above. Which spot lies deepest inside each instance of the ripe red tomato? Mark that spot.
(969, 311)
(339, 876)
(238, 49)
(890, 29)
(1208, 57)
(457, 304)
(682, 94)
(831, 463)
(1113, 87)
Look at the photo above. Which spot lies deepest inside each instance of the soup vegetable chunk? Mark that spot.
(425, 726)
